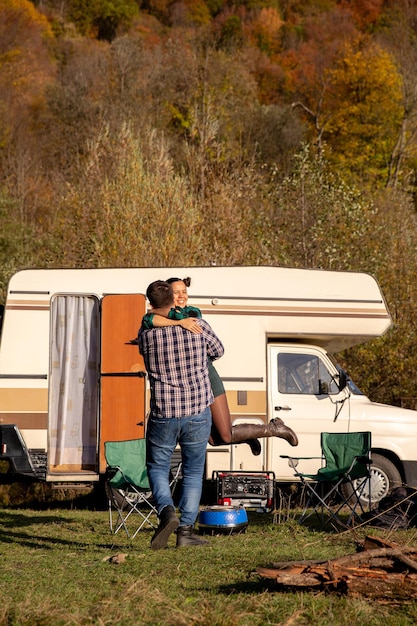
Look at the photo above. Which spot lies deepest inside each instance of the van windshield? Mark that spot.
(354, 388)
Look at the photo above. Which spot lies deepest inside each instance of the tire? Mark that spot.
(384, 478)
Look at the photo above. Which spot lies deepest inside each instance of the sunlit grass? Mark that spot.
(55, 570)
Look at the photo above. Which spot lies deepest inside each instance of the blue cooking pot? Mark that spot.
(223, 518)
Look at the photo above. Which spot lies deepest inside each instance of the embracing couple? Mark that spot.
(188, 406)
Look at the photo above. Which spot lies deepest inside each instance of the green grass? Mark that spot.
(55, 571)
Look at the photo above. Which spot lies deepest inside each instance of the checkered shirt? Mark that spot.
(176, 362)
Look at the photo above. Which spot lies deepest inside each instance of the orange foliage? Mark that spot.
(23, 54)
(262, 29)
(364, 12)
(305, 63)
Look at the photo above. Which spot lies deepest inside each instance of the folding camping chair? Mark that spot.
(127, 485)
(343, 481)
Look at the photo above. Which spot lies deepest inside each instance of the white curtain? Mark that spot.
(73, 383)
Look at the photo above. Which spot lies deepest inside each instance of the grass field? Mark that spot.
(55, 570)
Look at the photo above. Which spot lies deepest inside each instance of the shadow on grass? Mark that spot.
(12, 522)
(246, 587)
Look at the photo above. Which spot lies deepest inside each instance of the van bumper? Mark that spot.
(410, 472)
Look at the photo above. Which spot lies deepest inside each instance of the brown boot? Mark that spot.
(238, 436)
(275, 428)
(255, 446)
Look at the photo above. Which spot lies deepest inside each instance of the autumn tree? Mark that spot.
(25, 72)
(308, 53)
(364, 104)
(102, 18)
(401, 41)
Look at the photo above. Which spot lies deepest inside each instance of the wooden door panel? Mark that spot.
(122, 393)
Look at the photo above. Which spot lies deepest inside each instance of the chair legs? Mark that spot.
(123, 504)
(328, 502)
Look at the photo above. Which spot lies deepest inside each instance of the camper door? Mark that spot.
(97, 384)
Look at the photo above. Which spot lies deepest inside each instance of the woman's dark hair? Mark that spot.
(186, 281)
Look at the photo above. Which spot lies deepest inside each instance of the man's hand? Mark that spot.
(191, 324)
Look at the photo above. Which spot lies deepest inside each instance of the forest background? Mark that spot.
(159, 132)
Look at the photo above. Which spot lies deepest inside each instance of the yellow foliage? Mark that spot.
(264, 30)
(23, 9)
(364, 108)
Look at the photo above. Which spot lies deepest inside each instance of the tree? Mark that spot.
(17, 249)
(309, 51)
(102, 18)
(139, 212)
(25, 71)
(319, 220)
(364, 101)
(401, 40)
(386, 366)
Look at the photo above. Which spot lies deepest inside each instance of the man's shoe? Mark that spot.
(186, 537)
(168, 522)
(277, 428)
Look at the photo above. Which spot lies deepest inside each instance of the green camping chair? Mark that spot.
(127, 485)
(342, 484)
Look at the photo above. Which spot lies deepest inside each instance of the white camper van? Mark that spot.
(71, 376)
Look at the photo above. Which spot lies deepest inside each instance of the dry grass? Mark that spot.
(56, 571)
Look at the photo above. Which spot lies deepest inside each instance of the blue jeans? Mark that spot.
(192, 434)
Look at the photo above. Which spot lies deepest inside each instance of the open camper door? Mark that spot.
(73, 386)
(122, 396)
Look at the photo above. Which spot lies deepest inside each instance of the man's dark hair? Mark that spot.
(160, 294)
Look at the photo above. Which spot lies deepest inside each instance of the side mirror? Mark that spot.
(342, 379)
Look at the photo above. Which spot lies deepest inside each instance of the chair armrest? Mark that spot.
(300, 458)
(293, 461)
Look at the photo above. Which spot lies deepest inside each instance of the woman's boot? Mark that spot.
(275, 428)
(254, 444)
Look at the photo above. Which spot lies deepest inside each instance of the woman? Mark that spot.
(222, 432)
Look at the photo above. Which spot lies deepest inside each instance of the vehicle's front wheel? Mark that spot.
(384, 478)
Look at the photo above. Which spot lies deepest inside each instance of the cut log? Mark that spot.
(394, 586)
(379, 570)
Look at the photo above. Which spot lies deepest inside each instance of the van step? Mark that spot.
(38, 460)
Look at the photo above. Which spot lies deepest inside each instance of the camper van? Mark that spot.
(72, 378)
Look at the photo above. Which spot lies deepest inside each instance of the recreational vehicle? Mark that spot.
(71, 376)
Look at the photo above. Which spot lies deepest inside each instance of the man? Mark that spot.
(176, 362)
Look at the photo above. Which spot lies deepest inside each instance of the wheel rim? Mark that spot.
(378, 483)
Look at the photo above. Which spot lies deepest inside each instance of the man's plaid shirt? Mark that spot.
(176, 362)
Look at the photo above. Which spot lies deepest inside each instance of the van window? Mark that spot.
(303, 374)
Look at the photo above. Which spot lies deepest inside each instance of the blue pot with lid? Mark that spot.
(220, 518)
